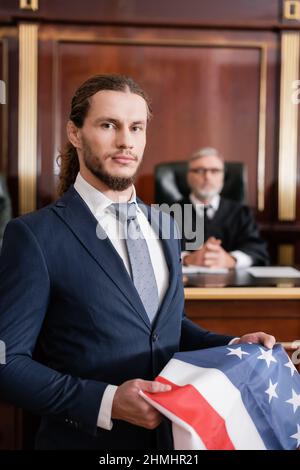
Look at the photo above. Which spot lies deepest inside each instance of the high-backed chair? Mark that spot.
(171, 183)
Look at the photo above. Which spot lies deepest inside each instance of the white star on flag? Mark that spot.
(291, 366)
(267, 356)
(236, 352)
(271, 390)
(297, 435)
(295, 400)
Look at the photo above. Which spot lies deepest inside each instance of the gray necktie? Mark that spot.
(142, 272)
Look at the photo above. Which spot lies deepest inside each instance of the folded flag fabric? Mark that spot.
(231, 397)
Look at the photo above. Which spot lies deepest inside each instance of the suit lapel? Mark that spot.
(75, 213)
(222, 212)
(173, 273)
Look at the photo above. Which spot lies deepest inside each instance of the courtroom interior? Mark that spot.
(223, 81)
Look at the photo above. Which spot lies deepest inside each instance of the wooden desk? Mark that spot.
(238, 310)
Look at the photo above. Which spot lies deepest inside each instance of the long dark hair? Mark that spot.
(68, 158)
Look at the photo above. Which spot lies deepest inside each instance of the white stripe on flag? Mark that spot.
(223, 396)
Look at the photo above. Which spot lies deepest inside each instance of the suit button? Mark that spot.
(154, 337)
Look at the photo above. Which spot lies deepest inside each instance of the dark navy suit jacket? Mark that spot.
(67, 294)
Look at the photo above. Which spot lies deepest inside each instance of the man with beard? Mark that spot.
(104, 309)
(231, 236)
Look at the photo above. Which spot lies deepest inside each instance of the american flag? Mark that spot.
(242, 396)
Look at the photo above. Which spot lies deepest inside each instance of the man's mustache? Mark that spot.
(123, 154)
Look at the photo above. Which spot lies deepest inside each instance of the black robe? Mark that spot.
(234, 224)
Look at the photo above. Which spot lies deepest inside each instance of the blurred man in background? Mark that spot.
(231, 236)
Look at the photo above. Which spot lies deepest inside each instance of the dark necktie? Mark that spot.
(142, 272)
(205, 219)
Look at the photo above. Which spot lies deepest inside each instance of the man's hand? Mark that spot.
(196, 258)
(259, 337)
(215, 256)
(129, 406)
(210, 255)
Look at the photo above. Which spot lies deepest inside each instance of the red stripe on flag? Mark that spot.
(188, 404)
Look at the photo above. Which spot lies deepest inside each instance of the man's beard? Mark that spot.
(205, 195)
(115, 183)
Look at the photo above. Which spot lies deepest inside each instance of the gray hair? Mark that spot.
(205, 152)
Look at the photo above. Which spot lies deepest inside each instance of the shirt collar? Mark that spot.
(95, 199)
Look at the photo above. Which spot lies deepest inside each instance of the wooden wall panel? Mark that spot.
(205, 89)
(9, 111)
(296, 96)
(12, 89)
(241, 13)
(198, 97)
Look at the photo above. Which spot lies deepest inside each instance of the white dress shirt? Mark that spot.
(242, 259)
(98, 204)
